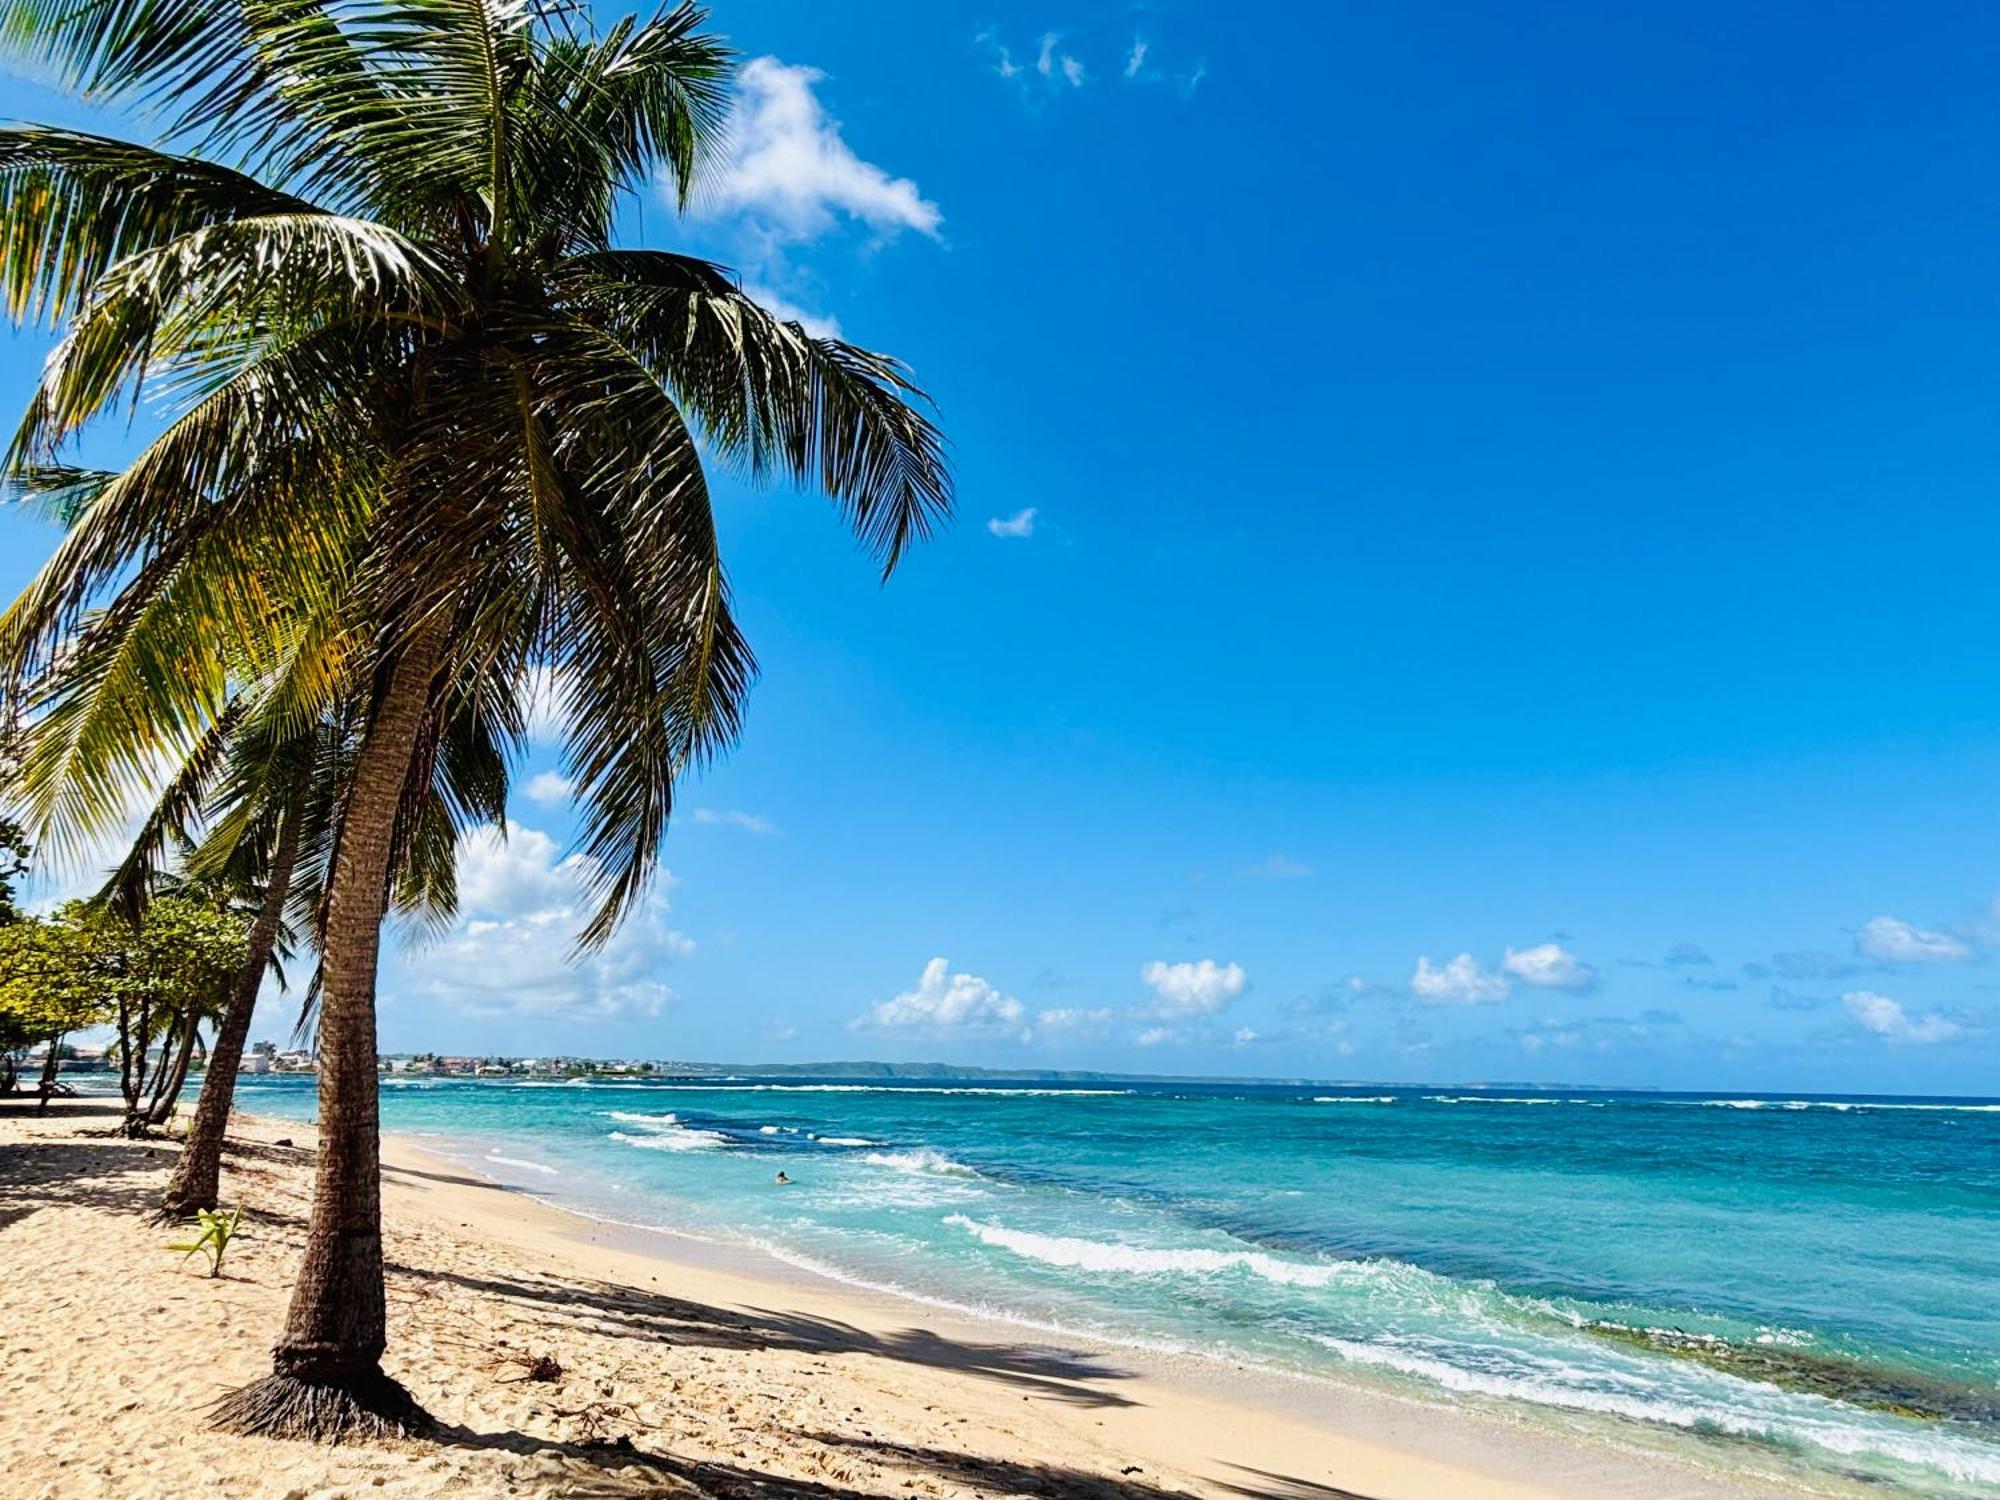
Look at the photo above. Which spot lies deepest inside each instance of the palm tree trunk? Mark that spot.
(198, 1178)
(167, 1087)
(50, 1066)
(326, 1379)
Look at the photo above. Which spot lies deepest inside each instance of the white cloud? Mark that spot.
(1003, 57)
(1275, 867)
(789, 170)
(1244, 1036)
(521, 904)
(1202, 988)
(1136, 58)
(1020, 524)
(548, 788)
(723, 817)
(1549, 966)
(947, 1004)
(1153, 1036)
(1887, 1019)
(1897, 941)
(817, 325)
(1052, 62)
(1460, 982)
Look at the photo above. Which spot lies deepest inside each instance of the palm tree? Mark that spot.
(418, 384)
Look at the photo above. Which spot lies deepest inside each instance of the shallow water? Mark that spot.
(1802, 1288)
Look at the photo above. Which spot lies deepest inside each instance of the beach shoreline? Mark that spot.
(721, 1374)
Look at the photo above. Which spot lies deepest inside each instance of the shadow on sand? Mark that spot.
(88, 1167)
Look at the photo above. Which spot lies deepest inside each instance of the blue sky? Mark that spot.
(1475, 561)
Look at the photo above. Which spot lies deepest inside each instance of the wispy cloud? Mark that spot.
(1058, 63)
(729, 817)
(1018, 526)
(1052, 63)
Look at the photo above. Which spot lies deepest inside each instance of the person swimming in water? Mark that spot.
(783, 1180)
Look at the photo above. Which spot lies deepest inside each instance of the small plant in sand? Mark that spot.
(217, 1230)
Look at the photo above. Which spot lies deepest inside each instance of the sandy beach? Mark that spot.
(679, 1371)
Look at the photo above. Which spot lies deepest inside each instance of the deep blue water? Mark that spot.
(1806, 1287)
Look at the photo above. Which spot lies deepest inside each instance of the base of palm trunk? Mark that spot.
(324, 1411)
(186, 1205)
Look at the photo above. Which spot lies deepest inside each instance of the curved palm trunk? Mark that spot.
(167, 1087)
(198, 1178)
(326, 1379)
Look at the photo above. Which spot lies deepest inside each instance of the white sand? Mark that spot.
(677, 1378)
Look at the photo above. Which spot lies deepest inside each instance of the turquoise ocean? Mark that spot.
(1800, 1288)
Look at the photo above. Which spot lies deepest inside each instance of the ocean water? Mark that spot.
(1804, 1288)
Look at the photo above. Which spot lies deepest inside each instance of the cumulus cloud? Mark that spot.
(1459, 982)
(1686, 953)
(789, 170)
(1201, 988)
(1895, 941)
(1888, 1020)
(1549, 966)
(1020, 525)
(944, 1004)
(521, 904)
(729, 817)
(548, 788)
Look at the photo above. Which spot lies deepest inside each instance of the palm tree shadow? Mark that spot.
(70, 1172)
(621, 1470)
(1268, 1486)
(1055, 1374)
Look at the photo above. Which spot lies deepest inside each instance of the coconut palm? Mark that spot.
(421, 399)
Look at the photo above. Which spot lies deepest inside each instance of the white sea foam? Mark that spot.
(663, 1133)
(515, 1161)
(1354, 1099)
(767, 1130)
(845, 1140)
(1807, 1419)
(678, 1140)
(1137, 1260)
(922, 1159)
(877, 1088)
(1498, 1099)
(1850, 1106)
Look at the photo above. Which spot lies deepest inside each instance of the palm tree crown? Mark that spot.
(434, 436)
(413, 376)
